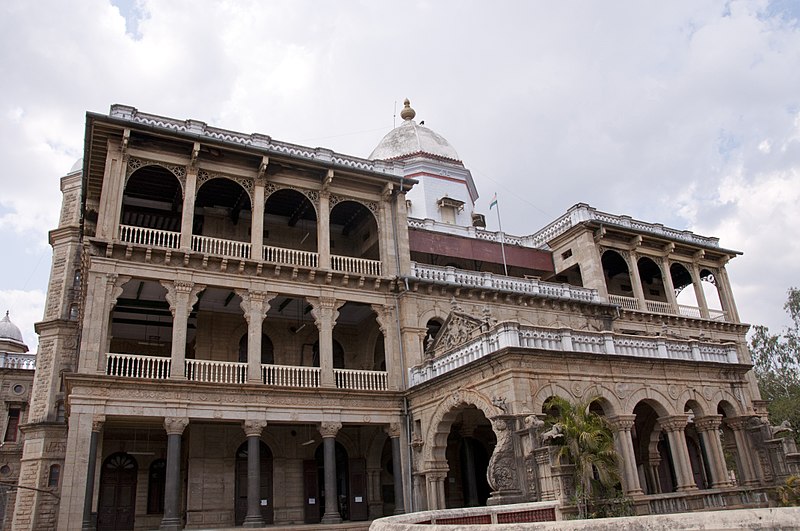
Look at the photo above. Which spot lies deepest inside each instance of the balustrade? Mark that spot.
(359, 380)
(10, 360)
(290, 376)
(221, 247)
(629, 303)
(137, 366)
(359, 266)
(294, 257)
(228, 372)
(560, 340)
(150, 237)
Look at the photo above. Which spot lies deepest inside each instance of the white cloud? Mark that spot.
(683, 113)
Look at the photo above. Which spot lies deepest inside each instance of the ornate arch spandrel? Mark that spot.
(175, 169)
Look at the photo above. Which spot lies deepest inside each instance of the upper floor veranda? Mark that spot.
(247, 202)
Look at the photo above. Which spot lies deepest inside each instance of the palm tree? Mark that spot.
(586, 441)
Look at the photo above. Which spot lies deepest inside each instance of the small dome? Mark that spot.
(410, 138)
(78, 166)
(10, 331)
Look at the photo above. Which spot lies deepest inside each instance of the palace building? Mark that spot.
(241, 331)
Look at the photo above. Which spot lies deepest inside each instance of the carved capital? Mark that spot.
(175, 425)
(738, 423)
(325, 311)
(97, 422)
(254, 304)
(622, 422)
(329, 429)
(181, 293)
(708, 423)
(393, 430)
(114, 285)
(384, 315)
(254, 428)
(673, 423)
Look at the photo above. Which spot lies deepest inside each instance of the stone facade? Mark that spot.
(249, 331)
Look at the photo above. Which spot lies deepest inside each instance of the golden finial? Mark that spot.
(407, 113)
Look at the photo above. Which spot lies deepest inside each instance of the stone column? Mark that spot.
(255, 305)
(699, 294)
(747, 468)
(252, 430)
(653, 462)
(187, 216)
(172, 520)
(622, 425)
(324, 230)
(181, 296)
(88, 522)
(708, 428)
(393, 430)
(385, 316)
(435, 489)
(726, 294)
(326, 311)
(257, 218)
(669, 287)
(328, 430)
(636, 280)
(674, 426)
(105, 288)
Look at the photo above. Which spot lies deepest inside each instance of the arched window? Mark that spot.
(54, 476)
(267, 350)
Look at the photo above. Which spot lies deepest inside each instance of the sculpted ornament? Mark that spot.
(329, 429)
(97, 422)
(501, 472)
(175, 425)
(393, 429)
(254, 428)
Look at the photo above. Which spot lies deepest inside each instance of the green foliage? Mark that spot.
(586, 441)
(789, 494)
(776, 363)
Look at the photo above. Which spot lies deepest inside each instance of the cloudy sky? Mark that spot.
(685, 113)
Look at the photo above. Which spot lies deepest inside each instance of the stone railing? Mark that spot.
(632, 303)
(136, 366)
(290, 375)
(227, 372)
(491, 281)
(150, 237)
(359, 380)
(13, 360)
(582, 212)
(358, 266)
(255, 140)
(511, 334)
(699, 500)
(221, 247)
(294, 257)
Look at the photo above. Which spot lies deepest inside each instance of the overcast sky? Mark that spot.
(685, 113)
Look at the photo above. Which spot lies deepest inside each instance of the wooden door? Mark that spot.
(359, 509)
(116, 508)
(311, 498)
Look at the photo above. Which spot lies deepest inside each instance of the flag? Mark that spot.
(494, 202)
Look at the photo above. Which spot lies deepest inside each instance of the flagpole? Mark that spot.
(502, 235)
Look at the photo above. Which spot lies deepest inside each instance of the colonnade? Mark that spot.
(253, 430)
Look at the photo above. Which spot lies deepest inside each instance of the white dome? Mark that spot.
(411, 138)
(9, 332)
(78, 166)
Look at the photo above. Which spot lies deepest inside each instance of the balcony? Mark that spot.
(491, 281)
(25, 361)
(235, 373)
(512, 334)
(631, 303)
(243, 250)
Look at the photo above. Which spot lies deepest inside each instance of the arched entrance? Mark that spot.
(267, 512)
(469, 446)
(116, 507)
